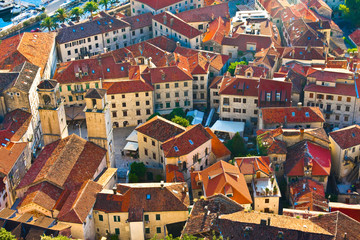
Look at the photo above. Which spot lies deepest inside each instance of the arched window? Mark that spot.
(47, 99)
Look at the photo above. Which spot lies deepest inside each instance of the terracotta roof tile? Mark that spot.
(274, 87)
(170, 198)
(222, 174)
(241, 41)
(217, 147)
(159, 4)
(305, 154)
(355, 37)
(186, 142)
(177, 24)
(239, 87)
(340, 89)
(251, 165)
(14, 126)
(32, 47)
(168, 129)
(292, 115)
(347, 137)
(127, 87)
(339, 225)
(173, 174)
(205, 14)
(217, 30)
(9, 156)
(139, 21)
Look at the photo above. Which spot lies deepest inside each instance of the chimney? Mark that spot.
(171, 22)
(162, 184)
(165, 19)
(114, 190)
(178, 44)
(149, 61)
(302, 131)
(299, 105)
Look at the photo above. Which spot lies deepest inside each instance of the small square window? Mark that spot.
(148, 197)
(158, 230)
(158, 217)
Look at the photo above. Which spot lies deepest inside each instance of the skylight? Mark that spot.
(82, 28)
(98, 22)
(122, 68)
(108, 69)
(111, 20)
(293, 114)
(93, 71)
(148, 196)
(74, 30)
(307, 114)
(191, 142)
(176, 149)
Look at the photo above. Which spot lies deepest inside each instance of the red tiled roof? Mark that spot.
(129, 196)
(274, 87)
(302, 53)
(186, 142)
(347, 137)
(217, 147)
(239, 87)
(217, 30)
(305, 154)
(257, 72)
(177, 24)
(32, 47)
(14, 126)
(168, 74)
(159, 4)
(241, 41)
(205, 14)
(87, 70)
(139, 21)
(10, 154)
(127, 87)
(173, 174)
(222, 177)
(307, 194)
(340, 89)
(355, 37)
(168, 129)
(292, 115)
(79, 203)
(327, 75)
(251, 165)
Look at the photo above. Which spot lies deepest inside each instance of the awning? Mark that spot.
(131, 146)
(197, 115)
(132, 137)
(228, 126)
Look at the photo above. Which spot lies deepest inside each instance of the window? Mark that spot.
(347, 108)
(88, 86)
(113, 105)
(69, 52)
(124, 113)
(255, 112)
(268, 97)
(154, 157)
(329, 97)
(60, 89)
(157, 86)
(137, 103)
(157, 217)
(153, 142)
(167, 95)
(267, 200)
(69, 87)
(96, 85)
(116, 218)
(176, 85)
(185, 84)
(147, 230)
(136, 95)
(117, 231)
(158, 230)
(226, 101)
(147, 102)
(158, 96)
(145, 139)
(348, 99)
(70, 98)
(114, 114)
(346, 118)
(138, 112)
(146, 217)
(168, 105)
(124, 104)
(123, 96)
(167, 85)
(186, 93)
(339, 98)
(338, 107)
(146, 153)
(237, 100)
(244, 100)
(101, 218)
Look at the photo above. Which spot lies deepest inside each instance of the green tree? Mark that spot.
(91, 7)
(48, 23)
(351, 10)
(176, 112)
(139, 169)
(181, 121)
(77, 13)
(60, 237)
(61, 15)
(104, 3)
(133, 178)
(233, 65)
(5, 235)
(237, 146)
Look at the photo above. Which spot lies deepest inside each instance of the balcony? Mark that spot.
(327, 111)
(78, 91)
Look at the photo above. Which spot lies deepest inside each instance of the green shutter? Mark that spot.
(87, 86)
(60, 89)
(69, 87)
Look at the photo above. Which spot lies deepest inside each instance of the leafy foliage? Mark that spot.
(181, 121)
(133, 178)
(77, 13)
(48, 23)
(61, 15)
(5, 235)
(91, 7)
(153, 115)
(138, 169)
(233, 65)
(105, 3)
(236, 145)
(351, 10)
